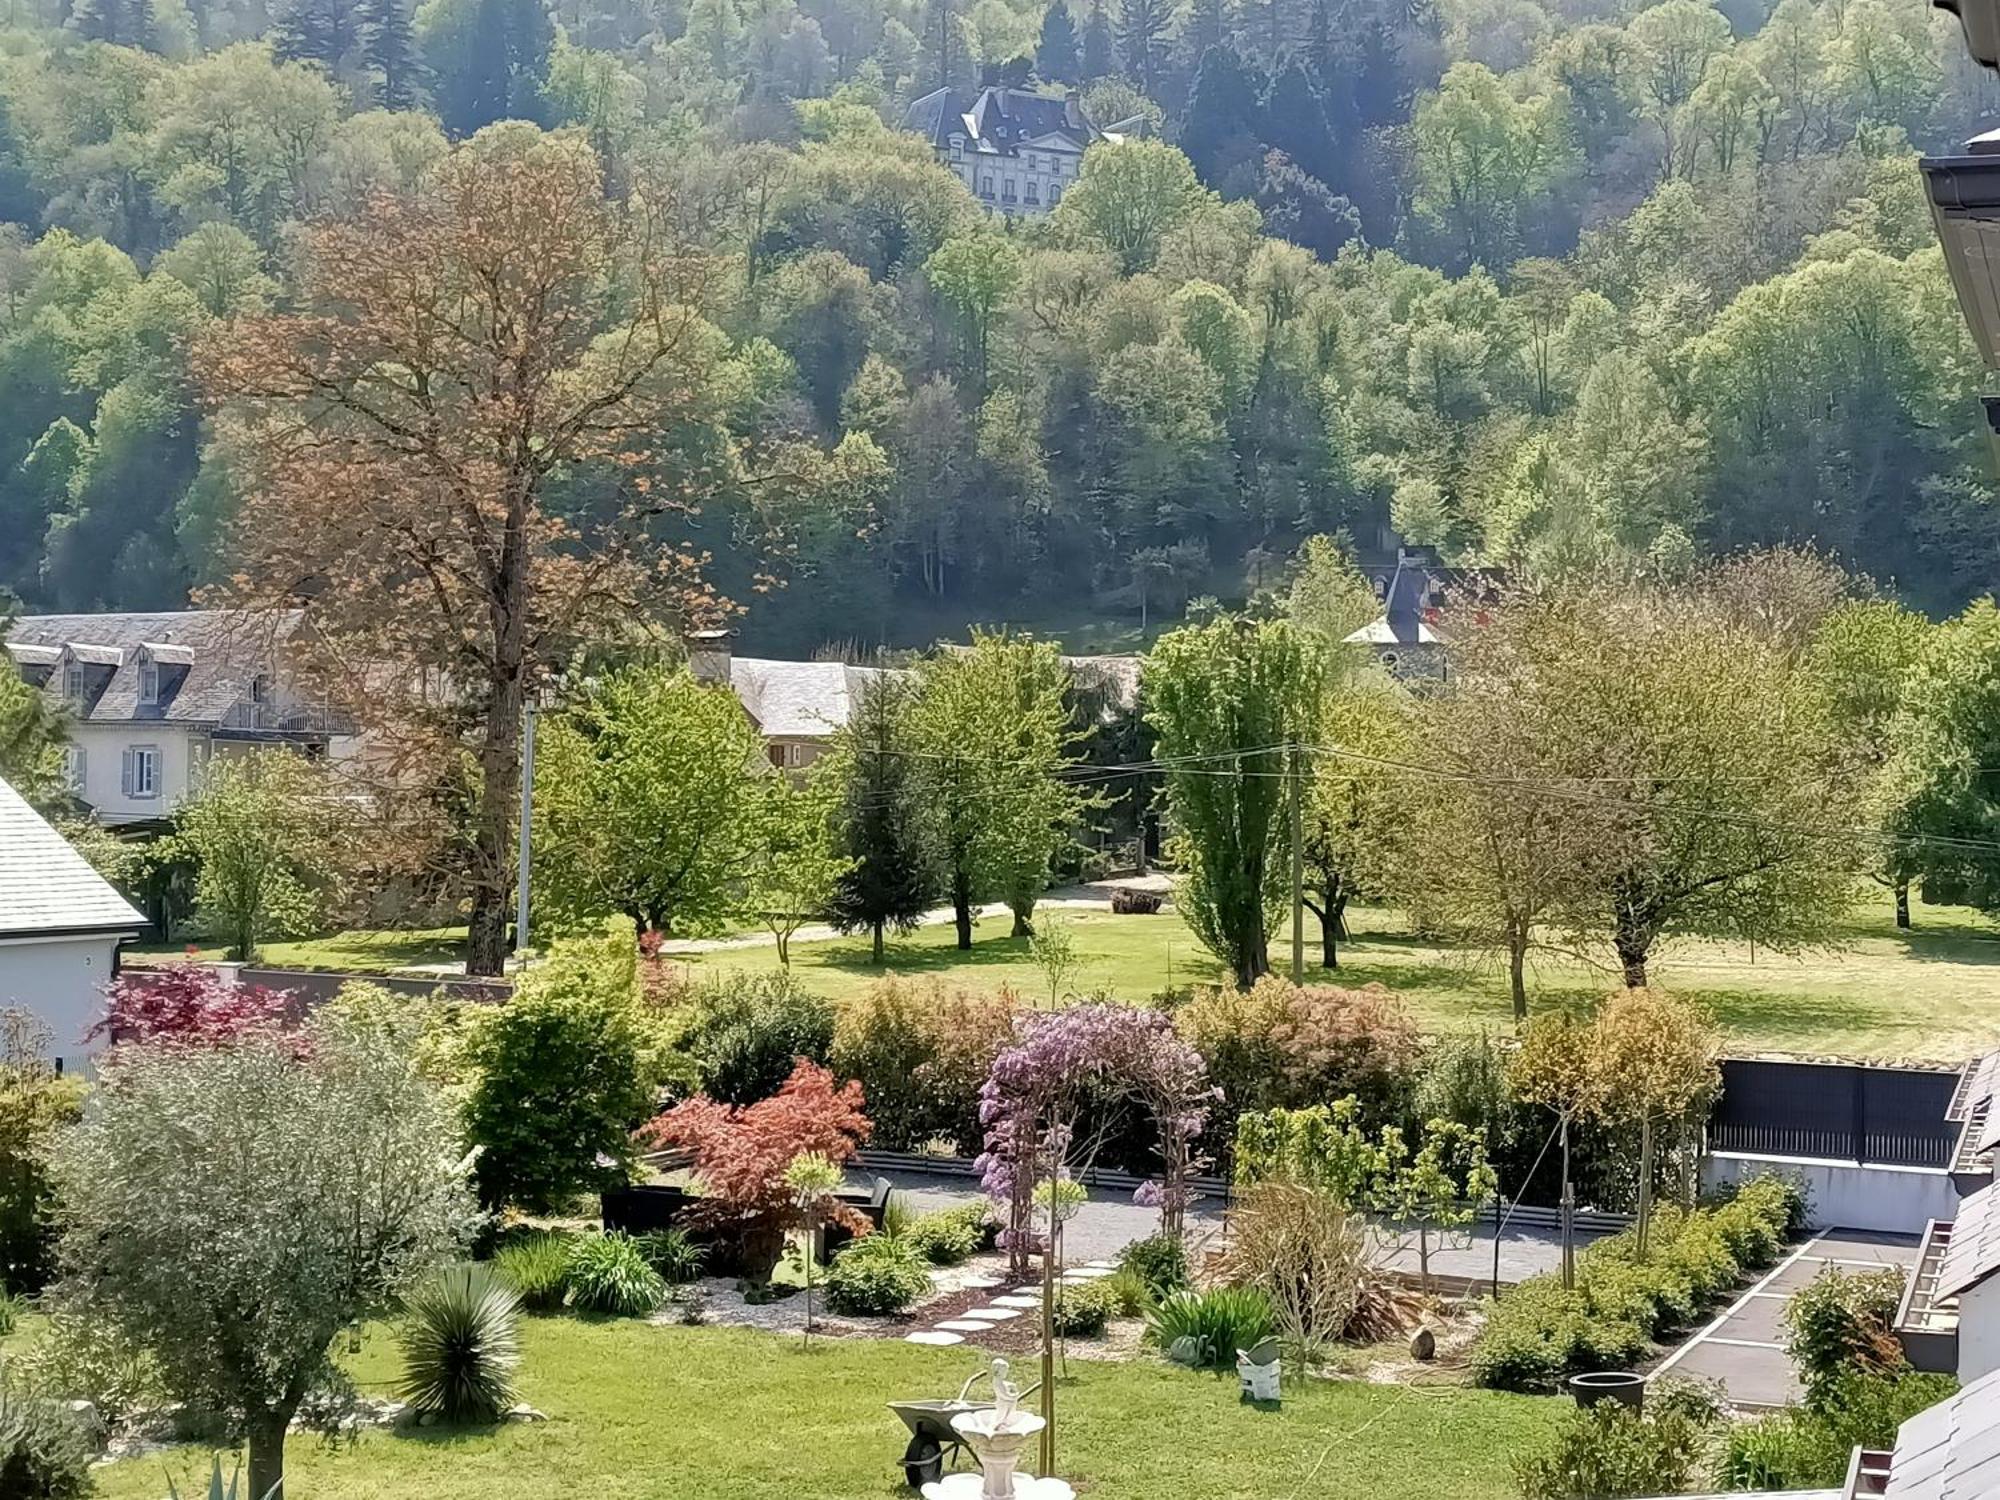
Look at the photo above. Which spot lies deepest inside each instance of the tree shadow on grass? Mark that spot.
(857, 956)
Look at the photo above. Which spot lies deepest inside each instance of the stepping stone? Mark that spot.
(1089, 1273)
(994, 1314)
(980, 1283)
(1100, 1265)
(932, 1338)
(966, 1325)
(1017, 1301)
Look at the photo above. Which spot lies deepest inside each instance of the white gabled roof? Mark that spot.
(1974, 1251)
(1952, 1451)
(46, 887)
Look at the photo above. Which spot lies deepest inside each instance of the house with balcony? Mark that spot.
(151, 698)
(1017, 150)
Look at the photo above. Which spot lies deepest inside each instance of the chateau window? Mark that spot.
(1034, 195)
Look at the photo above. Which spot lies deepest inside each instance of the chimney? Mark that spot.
(709, 653)
(1073, 110)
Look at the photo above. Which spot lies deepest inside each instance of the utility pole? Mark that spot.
(527, 823)
(1298, 874)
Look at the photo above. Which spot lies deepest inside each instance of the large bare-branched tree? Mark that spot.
(455, 445)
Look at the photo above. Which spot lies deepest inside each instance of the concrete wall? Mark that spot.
(1894, 1200)
(1979, 1331)
(62, 981)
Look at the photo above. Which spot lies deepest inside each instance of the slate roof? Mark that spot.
(996, 121)
(1973, 1253)
(46, 887)
(1416, 598)
(798, 700)
(207, 659)
(1951, 1451)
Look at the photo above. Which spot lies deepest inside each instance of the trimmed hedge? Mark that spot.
(1538, 1334)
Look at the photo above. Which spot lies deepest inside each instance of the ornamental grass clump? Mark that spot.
(608, 1273)
(1204, 1330)
(536, 1265)
(461, 1345)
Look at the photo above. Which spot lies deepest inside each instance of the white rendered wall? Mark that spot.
(62, 981)
(1893, 1200)
(1979, 1331)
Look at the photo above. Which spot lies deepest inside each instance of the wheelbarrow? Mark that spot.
(934, 1443)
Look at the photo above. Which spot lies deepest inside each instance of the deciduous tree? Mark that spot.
(264, 830)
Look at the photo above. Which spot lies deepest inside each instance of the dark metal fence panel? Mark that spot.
(1839, 1111)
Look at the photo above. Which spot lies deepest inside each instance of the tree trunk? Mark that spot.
(784, 950)
(878, 940)
(1517, 965)
(1903, 905)
(1568, 1207)
(1329, 941)
(1632, 939)
(267, 1456)
(1645, 1182)
(961, 912)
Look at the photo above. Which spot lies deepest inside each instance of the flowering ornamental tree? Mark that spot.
(742, 1152)
(189, 1004)
(1032, 1097)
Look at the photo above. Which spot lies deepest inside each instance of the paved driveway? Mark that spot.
(1744, 1347)
(1108, 1222)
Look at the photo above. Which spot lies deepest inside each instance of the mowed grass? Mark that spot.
(1930, 994)
(638, 1412)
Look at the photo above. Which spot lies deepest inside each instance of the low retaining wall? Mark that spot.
(315, 987)
(1849, 1195)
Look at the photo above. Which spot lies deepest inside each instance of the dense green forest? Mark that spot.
(1538, 283)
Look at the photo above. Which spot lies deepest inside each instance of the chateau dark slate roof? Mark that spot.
(207, 659)
(996, 121)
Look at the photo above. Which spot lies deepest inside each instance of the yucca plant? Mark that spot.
(461, 1345)
(608, 1273)
(1205, 1329)
(217, 1490)
(536, 1266)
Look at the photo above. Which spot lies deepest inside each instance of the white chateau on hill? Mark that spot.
(1018, 151)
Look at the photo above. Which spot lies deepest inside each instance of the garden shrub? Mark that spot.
(1205, 1329)
(189, 1004)
(952, 1234)
(1843, 1323)
(560, 1085)
(1080, 1312)
(1129, 1293)
(80, 1357)
(1537, 1333)
(1302, 1247)
(1281, 1045)
(748, 1031)
(674, 1253)
(44, 1452)
(1748, 1234)
(876, 1275)
(1159, 1260)
(535, 1263)
(461, 1345)
(1809, 1447)
(608, 1274)
(1609, 1451)
(920, 1051)
(36, 1104)
(1777, 1199)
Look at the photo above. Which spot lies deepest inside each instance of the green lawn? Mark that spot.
(639, 1412)
(1931, 993)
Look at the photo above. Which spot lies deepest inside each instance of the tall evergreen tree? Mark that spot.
(1224, 120)
(1295, 122)
(1207, 26)
(1056, 56)
(321, 31)
(1142, 32)
(1098, 58)
(886, 827)
(391, 52)
(123, 23)
(1381, 88)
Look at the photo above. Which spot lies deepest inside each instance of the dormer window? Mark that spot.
(73, 683)
(957, 147)
(149, 683)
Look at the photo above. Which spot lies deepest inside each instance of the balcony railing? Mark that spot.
(248, 716)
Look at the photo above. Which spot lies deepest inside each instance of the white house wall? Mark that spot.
(61, 980)
(1979, 1331)
(104, 747)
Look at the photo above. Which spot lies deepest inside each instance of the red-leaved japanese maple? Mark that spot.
(741, 1151)
(186, 1003)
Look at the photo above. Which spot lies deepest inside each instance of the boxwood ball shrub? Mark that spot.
(1159, 1260)
(876, 1275)
(44, 1452)
(1080, 1312)
(608, 1273)
(953, 1234)
(535, 1263)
